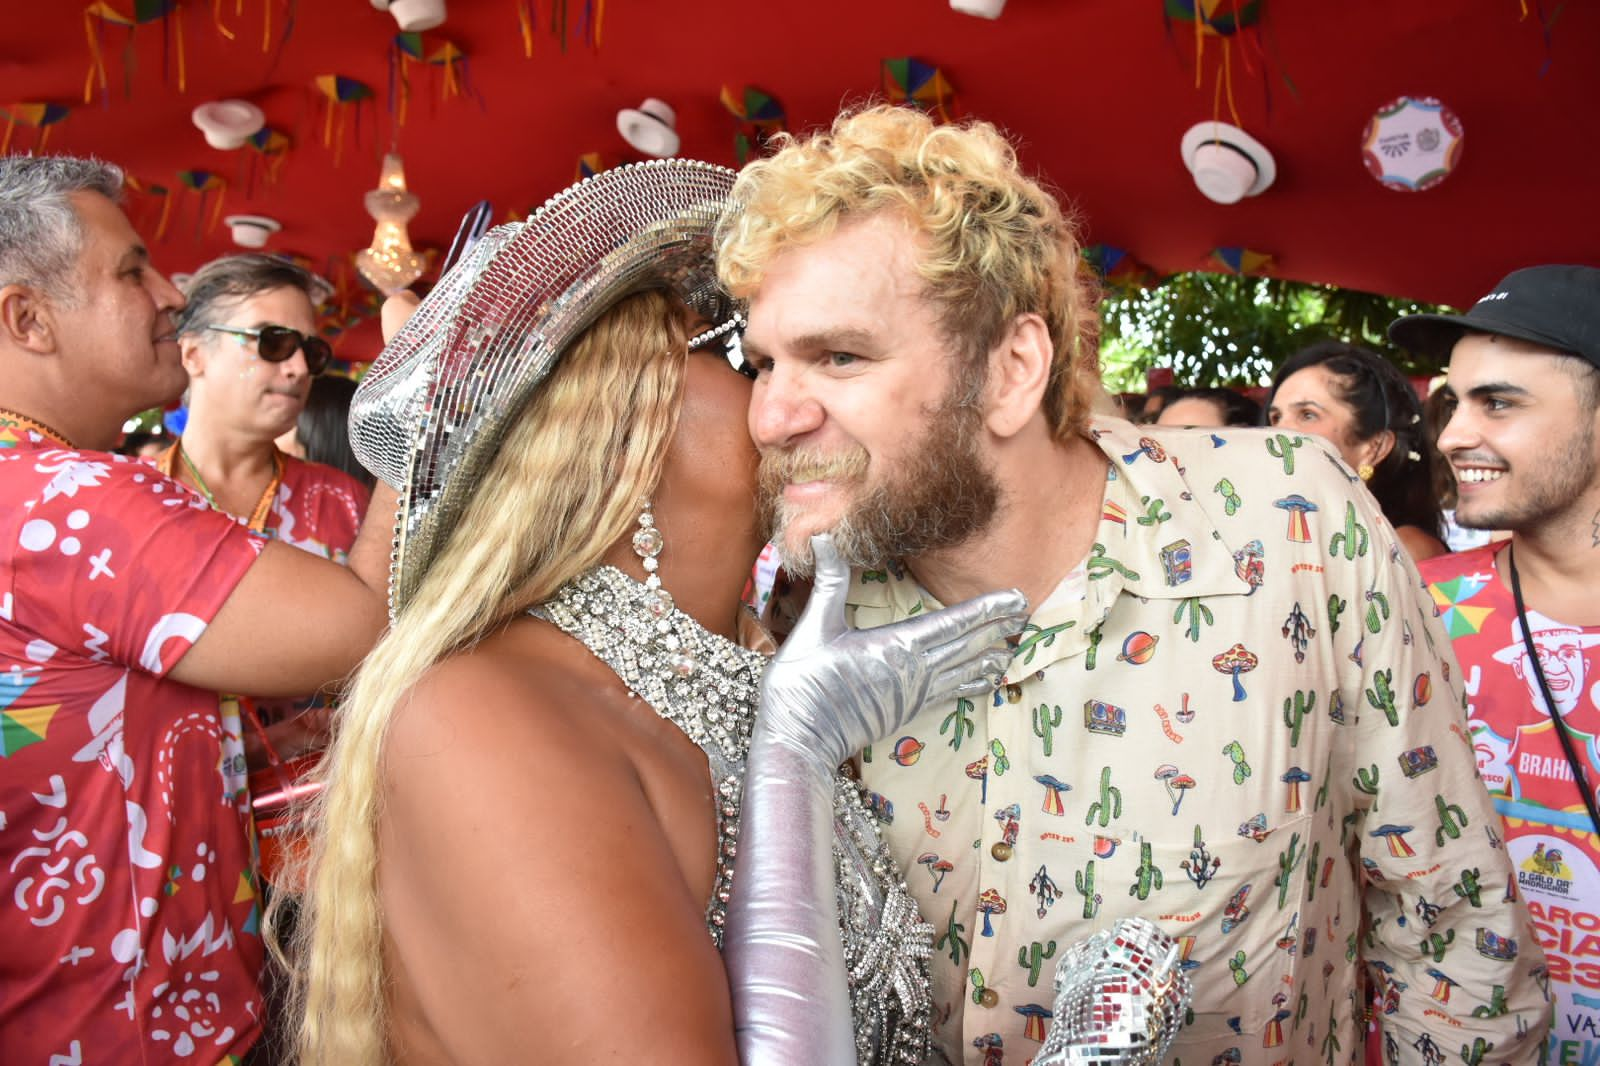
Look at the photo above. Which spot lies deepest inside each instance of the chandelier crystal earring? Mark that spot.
(647, 545)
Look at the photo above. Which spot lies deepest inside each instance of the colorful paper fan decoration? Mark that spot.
(580, 21)
(1236, 260)
(36, 116)
(97, 16)
(759, 113)
(1412, 143)
(211, 188)
(910, 81)
(411, 49)
(340, 95)
(1118, 269)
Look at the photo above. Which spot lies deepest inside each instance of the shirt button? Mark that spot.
(1001, 851)
(988, 997)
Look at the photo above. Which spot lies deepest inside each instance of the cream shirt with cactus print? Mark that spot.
(1240, 719)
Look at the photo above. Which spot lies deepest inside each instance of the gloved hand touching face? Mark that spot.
(829, 693)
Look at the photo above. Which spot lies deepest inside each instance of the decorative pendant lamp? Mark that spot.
(389, 263)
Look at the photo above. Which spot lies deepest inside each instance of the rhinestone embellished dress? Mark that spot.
(708, 687)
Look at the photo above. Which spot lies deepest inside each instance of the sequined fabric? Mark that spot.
(709, 687)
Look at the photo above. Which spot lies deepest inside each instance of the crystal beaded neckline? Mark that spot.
(704, 684)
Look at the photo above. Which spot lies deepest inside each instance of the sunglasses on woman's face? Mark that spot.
(277, 343)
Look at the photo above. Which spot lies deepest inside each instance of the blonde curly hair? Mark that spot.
(998, 244)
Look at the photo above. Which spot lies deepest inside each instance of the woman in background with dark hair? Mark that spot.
(1210, 407)
(1366, 407)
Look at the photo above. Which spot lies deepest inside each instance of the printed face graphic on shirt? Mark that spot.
(1561, 657)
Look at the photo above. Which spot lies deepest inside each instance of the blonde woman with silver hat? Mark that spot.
(551, 800)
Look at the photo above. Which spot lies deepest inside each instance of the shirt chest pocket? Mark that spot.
(1232, 900)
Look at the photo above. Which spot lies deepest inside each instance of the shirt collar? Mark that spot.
(1154, 541)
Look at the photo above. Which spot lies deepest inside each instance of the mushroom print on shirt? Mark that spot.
(1240, 719)
(129, 911)
(1548, 833)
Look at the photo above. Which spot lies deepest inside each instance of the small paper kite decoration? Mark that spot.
(1117, 268)
(37, 116)
(1235, 260)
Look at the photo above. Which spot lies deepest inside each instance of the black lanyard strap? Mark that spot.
(1578, 775)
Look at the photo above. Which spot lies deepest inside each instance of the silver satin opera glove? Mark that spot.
(829, 693)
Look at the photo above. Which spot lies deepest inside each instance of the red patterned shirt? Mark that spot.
(318, 509)
(129, 910)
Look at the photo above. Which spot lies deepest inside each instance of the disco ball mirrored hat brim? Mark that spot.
(432, 412)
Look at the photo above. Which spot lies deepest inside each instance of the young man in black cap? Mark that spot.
(1524, 613)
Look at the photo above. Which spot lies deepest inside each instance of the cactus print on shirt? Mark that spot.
(1240, 719)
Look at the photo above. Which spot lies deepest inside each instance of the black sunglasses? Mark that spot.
(277, 343)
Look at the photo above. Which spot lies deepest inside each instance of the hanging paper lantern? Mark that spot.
(1117, 268)
(36, 116)
(1412, 143)
(98, 15)
(908, 80)
(1236, 260)
(760, 116)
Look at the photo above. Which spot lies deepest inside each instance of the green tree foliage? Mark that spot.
(1231, 329)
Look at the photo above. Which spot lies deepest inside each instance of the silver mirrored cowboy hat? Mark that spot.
(430, 415)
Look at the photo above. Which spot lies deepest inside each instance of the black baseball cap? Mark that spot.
(1555, 307)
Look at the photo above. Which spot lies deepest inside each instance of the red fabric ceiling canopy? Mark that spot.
(1097, 94)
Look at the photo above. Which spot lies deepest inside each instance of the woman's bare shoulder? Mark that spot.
(515, 832)
(521, 685)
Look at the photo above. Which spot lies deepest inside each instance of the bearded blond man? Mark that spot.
(1226, 614)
